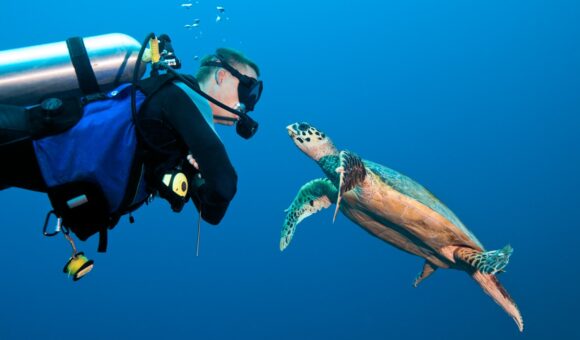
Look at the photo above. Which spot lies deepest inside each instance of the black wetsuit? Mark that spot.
(170, 121)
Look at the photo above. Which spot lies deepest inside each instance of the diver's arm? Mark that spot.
(208, 151)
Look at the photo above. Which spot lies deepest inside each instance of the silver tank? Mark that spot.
(30, 74)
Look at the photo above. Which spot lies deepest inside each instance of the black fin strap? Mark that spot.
(82, 65)
(102, 241)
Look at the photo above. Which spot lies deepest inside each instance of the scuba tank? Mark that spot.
(29, 75)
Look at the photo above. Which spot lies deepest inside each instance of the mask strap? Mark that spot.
(243, 79)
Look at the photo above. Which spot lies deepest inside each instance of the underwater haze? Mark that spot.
(479, 101)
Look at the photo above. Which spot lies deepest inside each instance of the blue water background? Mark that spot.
(477, 100)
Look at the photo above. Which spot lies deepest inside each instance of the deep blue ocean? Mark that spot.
(479, 101)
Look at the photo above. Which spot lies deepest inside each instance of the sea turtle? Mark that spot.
(395, 209)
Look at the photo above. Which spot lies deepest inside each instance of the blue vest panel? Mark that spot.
(99, 149)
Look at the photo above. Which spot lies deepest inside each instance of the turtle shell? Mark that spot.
(400, 211)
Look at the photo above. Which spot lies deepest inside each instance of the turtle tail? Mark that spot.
(489, 262)
(492, 287)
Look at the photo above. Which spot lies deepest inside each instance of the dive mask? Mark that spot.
(249, 92)
(249, 89)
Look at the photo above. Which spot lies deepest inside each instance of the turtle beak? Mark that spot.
(292, 130)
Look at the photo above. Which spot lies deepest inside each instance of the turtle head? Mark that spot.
(311, 141)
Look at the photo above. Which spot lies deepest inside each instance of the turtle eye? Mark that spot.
(303, 126)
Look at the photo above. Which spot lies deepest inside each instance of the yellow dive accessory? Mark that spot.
(151, 54)
(154, 48)
(174, 185)
(177, 182)
(78, 265)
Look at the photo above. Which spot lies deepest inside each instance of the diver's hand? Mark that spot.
(197, 180)
(192, 161)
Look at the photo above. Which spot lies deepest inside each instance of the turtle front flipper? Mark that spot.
(352, 172)
(311, 198)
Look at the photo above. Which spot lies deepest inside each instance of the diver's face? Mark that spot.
(311, 141)
(227, 89)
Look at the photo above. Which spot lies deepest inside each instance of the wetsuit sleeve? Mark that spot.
(214, 196)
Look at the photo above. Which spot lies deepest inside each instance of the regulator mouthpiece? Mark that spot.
(246, 127)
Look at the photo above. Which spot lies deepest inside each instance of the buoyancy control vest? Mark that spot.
(92, 171)
(86, 140)
(63, 85)
(95, 171)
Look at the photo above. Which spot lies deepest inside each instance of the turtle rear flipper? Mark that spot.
(489, 262)
(311, 198)
(352, 173)
(482, 266)
(492, 287)
(428, 269)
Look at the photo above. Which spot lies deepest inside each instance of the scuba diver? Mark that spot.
(101, 154)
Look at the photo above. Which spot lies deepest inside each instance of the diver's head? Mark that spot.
(232, 79)
(311, 141)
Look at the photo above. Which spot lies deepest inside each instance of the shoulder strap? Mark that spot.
(136, 174)
(150, 87)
